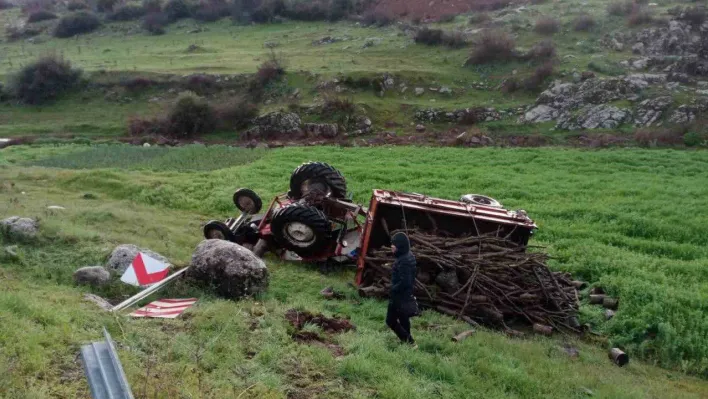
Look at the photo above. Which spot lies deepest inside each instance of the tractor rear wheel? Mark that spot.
(302, 229)
(317, 177)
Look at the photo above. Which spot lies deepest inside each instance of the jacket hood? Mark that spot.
(402, 244)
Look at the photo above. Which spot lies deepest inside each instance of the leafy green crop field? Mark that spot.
(630, 221)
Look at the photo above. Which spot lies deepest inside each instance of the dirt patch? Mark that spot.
(332, 325)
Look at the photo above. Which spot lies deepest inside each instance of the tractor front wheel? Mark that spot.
(302, 229)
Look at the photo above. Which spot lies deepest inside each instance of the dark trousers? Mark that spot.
(399, 322)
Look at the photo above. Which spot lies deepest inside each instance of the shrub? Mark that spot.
(665, 136)
(479, 18)
(44, 80)
(235, 113)
(542, 51)
(30, 6)
(620, 8)
(155, 23)
(269, 71)
(191, 115)
(492, 47)
(77, 6)
(640, 16)
(138, 126)
(41, 15)
(605, 68)
(694, 15)
(152, 6)
(584, 23)
(126, 13)
(106, 5)
(268, 10)
(22, 31)
(535, 81)
(200, 84)
(446, 18)
(338, 105)
(211, 10)
(379, 19)
(137, 83)
(546, 26)
(434, 37)
(5, 4)
(76, 24)
(510, 85)
(176, 10)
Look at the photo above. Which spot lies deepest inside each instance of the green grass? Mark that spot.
(617, 218)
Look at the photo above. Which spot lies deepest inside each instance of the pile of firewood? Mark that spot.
(483, 279)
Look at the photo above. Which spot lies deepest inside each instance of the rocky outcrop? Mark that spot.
(274, 124)
(602, 116)
(467, 115)
(650, 111)
(688, 112)
(123, 255)
(323, 130)
(232, 270)
(92, 275)
(541, 113)
(19, 228)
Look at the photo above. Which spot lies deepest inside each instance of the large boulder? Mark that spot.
(92, 275)
(19, 228)
(123, 255)
(275, 125)
(540, 113)
(233, 271)
(595, 117)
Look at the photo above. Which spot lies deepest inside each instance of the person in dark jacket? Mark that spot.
(401, 301)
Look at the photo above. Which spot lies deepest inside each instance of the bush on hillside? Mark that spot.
(126, 13)
(6, 4)
(41, 15)
(510, 85)
(191, 115)
(44, 80)
(76, 24)
(200, 84)
(492, 46)
(479, 18)
(540, 75)
(137, 83)
(546, 26)
(77, 6)
(270, 71)
(435, 37)
(640, 16)
(151, 6)
(379, 19)
(584, 23)
(267, 11)
(106, 5)
(542, 51)
(176, 10)
(30, 6)
(694, 15)
(211, 10)
(620, 8)
(155, 23)
(21, 31)
(236, 113)
(447, 18)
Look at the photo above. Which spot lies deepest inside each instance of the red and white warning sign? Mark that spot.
(165, 308)
(145, 271)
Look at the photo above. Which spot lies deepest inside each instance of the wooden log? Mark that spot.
(579, 284)
(542, 329)
(610, 303)
(463, 335)
(597, 299)
(618, 357)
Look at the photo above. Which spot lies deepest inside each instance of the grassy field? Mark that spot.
(628, 220)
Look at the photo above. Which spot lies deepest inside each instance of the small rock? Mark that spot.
(55, 208)
(617, 45)
(420, 128)
(123, 255)
(102, 303)
(92, 275)
(445, 90)
(419, 91)
(146, 145)
(638, 48)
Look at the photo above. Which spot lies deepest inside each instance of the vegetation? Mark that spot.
(44, 80)
(6, 4)
(156, 22)
(547, 26)
(584, 23)
(436, 37)
(493, 46)
(41, 15)
(77, 6)
(624, 230)
(76, 24)
(127, 12)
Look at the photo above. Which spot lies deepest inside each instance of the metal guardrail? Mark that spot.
(104, 372)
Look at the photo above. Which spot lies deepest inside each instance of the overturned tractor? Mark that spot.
(472, 258)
